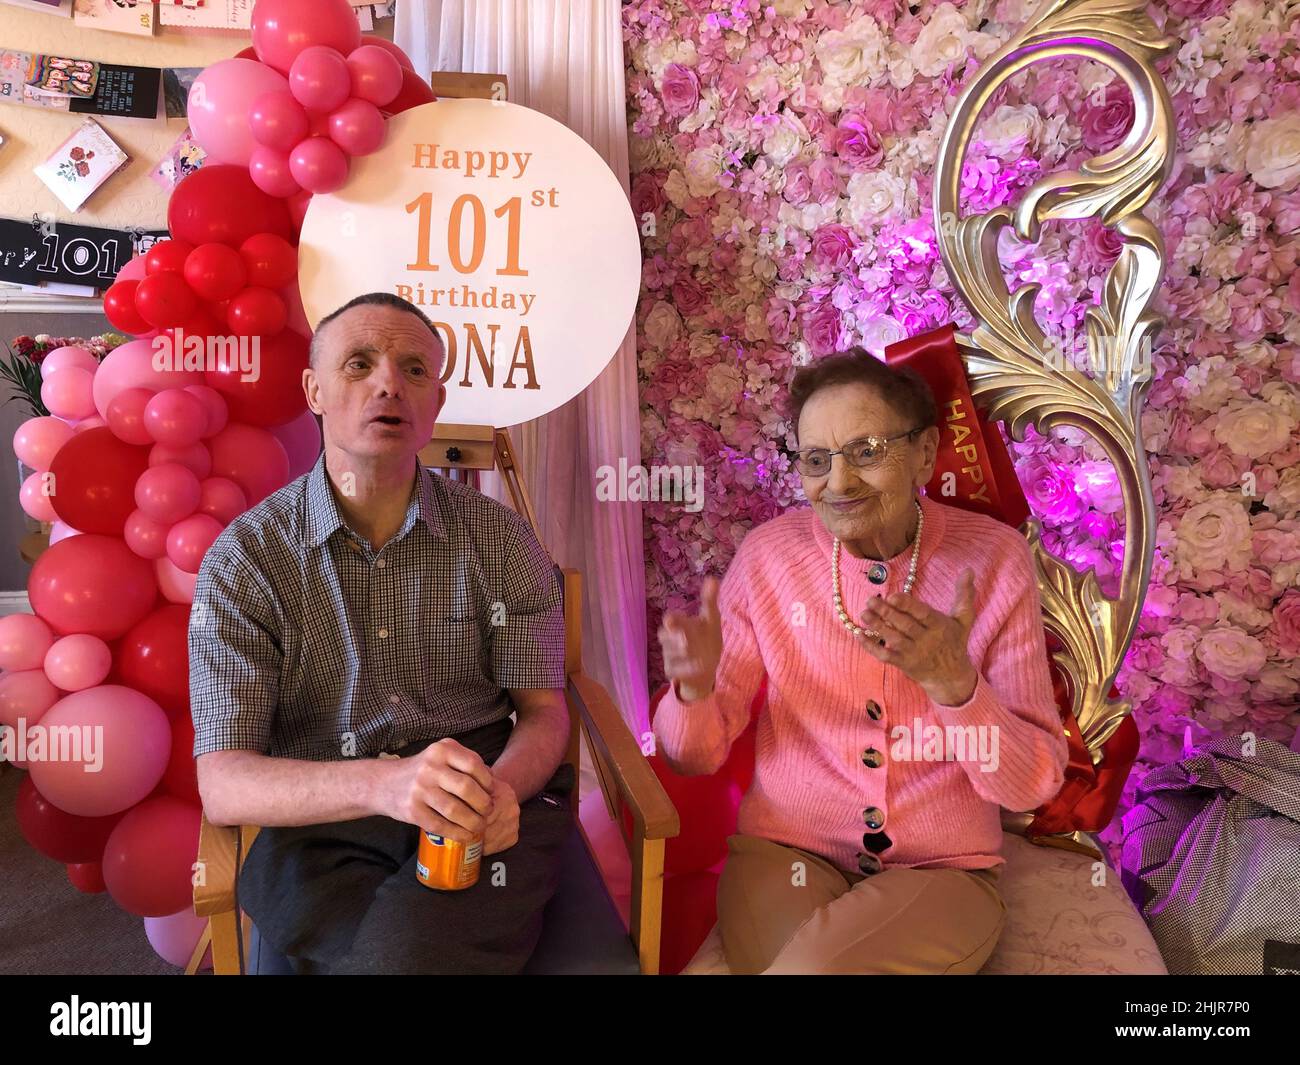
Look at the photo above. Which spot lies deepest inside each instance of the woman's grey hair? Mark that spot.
(900, 386)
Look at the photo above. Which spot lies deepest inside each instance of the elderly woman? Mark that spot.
(908, 698)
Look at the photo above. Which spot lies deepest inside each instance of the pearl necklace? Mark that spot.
(838, 600)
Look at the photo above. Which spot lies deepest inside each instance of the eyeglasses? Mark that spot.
(865, 453)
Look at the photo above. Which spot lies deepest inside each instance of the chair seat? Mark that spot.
(1058, 923)
(582, 932)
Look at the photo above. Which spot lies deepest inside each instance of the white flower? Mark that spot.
(942, 41)
(663, 325)
(880, 332)
(875, 195)
(1228, 652)
(1254, 428)
(703, 167)
(1213, 536)
(851, 56)
(675, 188)
(789, 8)
(723, 384)
(1284, 499)
(1273, 157)
(1009, 127)
(785, 139)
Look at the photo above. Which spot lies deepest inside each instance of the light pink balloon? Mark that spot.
(319, 78)
(219, 103)
(357, 127)
(174, 938)
(252, 458)
(131, 366)
(63, 357)
(222, 499)
(278, 121)
(176, 585)
(167, 493)
(24, 639)
(68, 393)
(78, 661)
(189, 540)
(26, 694)
(93, 422)
(175, 417)
(215, 403)
(270, 171)
(146, 537)
(135, 270)
(37, 440)
(318, 165)
(302, 442)
(123, 732)
(33, 499)
(196, 458)
(125, 415)
(61, 531)
(376, 74)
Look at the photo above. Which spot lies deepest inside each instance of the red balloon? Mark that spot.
(271, 261)
(149, 857)
(94, 481)
(153, 658)
(165, 300)
(181, 777)
(251, 457)
(167, 255)
(246, 53)
(119, 308)
(215, 272)
(256, 312)
(275, 396)
(87, 877)
(220, 204)
(415, 91)
(389, 46)
(59, 835)
(690, 910)
(91, 583)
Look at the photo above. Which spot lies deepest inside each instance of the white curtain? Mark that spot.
(564, 58)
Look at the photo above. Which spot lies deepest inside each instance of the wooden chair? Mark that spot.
(625, 777)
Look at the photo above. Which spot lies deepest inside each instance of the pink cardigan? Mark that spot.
(813, 779)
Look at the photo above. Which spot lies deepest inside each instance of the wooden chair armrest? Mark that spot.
(222, 849)
(652, 811)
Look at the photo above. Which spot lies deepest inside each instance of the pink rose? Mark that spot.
(1050, 490)
(798, 185)
(780, 317)
(647, 193)
(681, 90)
(689, 296)
(1286, 623)
(832, 246)
(857, 144)
(1104, 125)
(823, 329)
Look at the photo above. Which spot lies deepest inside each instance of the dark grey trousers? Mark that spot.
(343, 898)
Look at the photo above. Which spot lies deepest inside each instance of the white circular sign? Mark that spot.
(507, 230)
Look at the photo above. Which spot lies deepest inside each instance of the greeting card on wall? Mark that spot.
(216, 14)
(184, 157)
(52, 75)
(176, 89)
(128, 91)
(81, 164)
(49, 7)
(47, 252)
(115, 16)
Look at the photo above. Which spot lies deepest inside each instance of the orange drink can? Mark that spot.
(447, 864)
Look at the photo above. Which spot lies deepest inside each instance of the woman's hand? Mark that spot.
(929, 646)
(693, 645)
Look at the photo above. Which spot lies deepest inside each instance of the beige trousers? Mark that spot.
(784, 911)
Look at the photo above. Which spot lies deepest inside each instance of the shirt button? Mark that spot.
(383, 634)
(874, 817)
(877, 573)
(394, 699)
(873, 710)
(872, 758)
(381, 563)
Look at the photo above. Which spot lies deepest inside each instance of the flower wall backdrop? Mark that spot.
(782, 159)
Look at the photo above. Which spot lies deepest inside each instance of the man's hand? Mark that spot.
(502, 831)
(927, 645)
(445, 789)
(692, 645)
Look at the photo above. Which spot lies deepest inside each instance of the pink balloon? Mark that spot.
(167, 492)
(219, 104)
(68, 356)
(131, 366)
(357, 127)
(134, 270)
(175, 417)
(283, 28)
(222, 499)
(196, 458)
(24, 639)
(175, 936)
(37, 439)
(376, 74)
(189, 540)
(125, 744)
(318, 165)
(319, 78)
(149, 856)
(61, 531)
(302, 442)
(77, 662)
(68, 393)
(27, 694)
(88, 423)
(215, 404)
(278, 121)
(176, 585)
(146, 537)
(125, 415)
(252, 458)
(271, 172)
(34, 498)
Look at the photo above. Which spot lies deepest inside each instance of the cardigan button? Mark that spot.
(876, 842)
(877, 573)
(869, 864)
(872, 758)
(874, 817)
(873, 710)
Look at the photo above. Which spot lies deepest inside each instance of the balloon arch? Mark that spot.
(146, 456)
